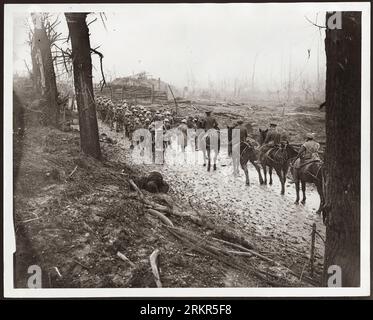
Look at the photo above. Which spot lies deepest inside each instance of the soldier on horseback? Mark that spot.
(308, 152)
(308, 167)
(273, 136)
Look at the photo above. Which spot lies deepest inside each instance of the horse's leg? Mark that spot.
(208, 159)
(279, 174)
(258, 170)
(265, 173)
(153, 152)
(215, 157)
(303, 191)
(270, 175)
(244, 168)
(320, 191)
(297, 190)
(285, 173)
(204, 153)
(296, 182)
(235, 163)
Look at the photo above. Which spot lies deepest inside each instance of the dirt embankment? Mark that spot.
(73, 225)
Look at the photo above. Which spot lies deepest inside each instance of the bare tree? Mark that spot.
(253, 73)
(82, 66)
(342, 156)
(43, 69)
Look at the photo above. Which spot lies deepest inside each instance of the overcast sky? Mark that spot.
(205, 42)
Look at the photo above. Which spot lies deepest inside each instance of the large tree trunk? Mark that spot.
(82, 64)
(342, 156)
(36, 69)
(43, 68)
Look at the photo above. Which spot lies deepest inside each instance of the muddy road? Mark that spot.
(281, 228)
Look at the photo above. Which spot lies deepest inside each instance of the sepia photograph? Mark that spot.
(186, 150)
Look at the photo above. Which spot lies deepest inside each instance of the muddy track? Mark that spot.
(276, 225)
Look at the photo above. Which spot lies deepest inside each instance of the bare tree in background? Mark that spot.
(43, 70)
(342, 157)
(82, 66)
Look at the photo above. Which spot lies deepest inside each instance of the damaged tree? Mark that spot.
(44, 76)
(82, 66)
(342, 156)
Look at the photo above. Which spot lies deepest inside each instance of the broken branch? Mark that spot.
(125, 259)
(161, 216)
(153, 263)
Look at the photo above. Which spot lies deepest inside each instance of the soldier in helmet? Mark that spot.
(167, 124)
(120, 118)
(209, 122)
(309, 151)
(272, 138)
(111, 115)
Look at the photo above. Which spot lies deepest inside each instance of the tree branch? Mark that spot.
(316, 25)
(103, 81)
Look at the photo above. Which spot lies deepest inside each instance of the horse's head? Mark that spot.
(262, 135)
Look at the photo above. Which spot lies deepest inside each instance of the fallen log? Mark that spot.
(222, 232)
(234, 245)
(139, 192)
(156, 206)
(153, 263)
(160, 216)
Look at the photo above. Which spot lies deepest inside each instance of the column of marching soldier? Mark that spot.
(128, 117)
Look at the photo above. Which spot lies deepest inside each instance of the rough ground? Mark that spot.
(77, 224)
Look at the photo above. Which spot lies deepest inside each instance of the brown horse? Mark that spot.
(244, 152)
(262, 137)
(310, 171)
(276, 157)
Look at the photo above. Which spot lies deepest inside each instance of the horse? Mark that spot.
(311, 171)
(210, 141)
(242, 152)
(278, 157)
(262, 137)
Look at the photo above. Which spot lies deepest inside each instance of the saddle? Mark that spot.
(271, 149)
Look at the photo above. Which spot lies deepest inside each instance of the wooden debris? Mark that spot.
(82, 265)
(161, 216)
(222, 232)
(139, 192)
(29, 220)
(58, 272)
(72, 172)
(153, 263)
(125, 259)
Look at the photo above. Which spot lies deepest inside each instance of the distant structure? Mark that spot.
(138, 88)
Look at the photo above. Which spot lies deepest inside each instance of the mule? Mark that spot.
(311, 171)
(210, 141)
(278, 157)
(242, 153)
